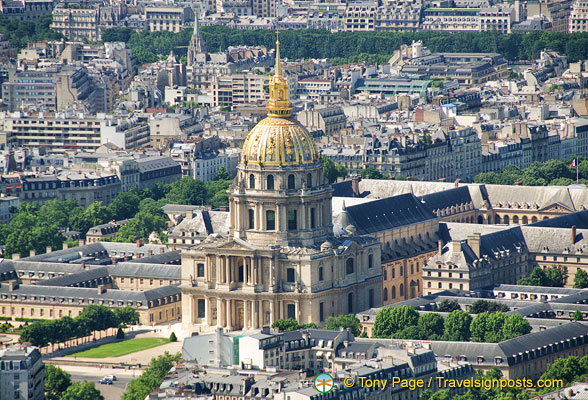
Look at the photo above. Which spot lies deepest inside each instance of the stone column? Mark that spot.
(228, 311)
(246, 314)
(255, 315)
(208, 310)
(281, 310)
(297, 310)
(278, 218)
(271, 306)
(191, 308)
(251, 281)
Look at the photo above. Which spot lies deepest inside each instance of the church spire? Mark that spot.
(278, 104)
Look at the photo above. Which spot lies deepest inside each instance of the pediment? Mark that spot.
(556, 207)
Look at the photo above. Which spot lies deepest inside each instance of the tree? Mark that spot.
(457, 326)
(125, 205)
(371, 173)
(392, 319)
(285, 325)
(578, 316)
(223, 174)
(172, 337)
(58, 212)
(580, 279)
(187, 191)
(97, 318)
(431, 326)
(551, 277)
(95, 214)
(494, 327)
(329, 169)
(515, 326)
(126, 315)
(120, 334)
(82, 391)
(448, 306)
(56, 382)
(478, 327)
(344, 321)
(140, 388)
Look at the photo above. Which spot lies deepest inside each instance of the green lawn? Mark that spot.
(121, 348)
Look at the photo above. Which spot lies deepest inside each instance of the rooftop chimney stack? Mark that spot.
(474, 243)
(573, 234)
(139, 244)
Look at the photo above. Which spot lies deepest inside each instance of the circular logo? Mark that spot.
(324, 383)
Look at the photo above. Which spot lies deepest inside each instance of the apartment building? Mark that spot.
(398, 16)
(171, 19)
(329, 120)
(26, 9)
(238, 89)
(264, 8)
(77, 22)
(22, 373)
(329, 16)
(360, 16)
(206, 165)
(53, 88)
(579, 17)
(54, 133)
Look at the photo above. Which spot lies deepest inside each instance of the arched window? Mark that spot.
(385, 274)
(534, 219)
(291, 183)
(241, 274)
(385, 294)
(370, 261)
(401, 291)
(349, 266)
(270, 182)
(480, 220)
(270, 220)
(515, 219)
(525, 220)
(251, 181)
(497, 219)
(506, 220)
(309, 180)
(393, 292)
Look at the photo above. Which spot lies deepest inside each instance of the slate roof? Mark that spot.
(387, 214)
(76, 278)
(154, 163)
(169, 257)
(148, 271)
(509, 349)
(86, 294)
(447, 198)
(577, 219)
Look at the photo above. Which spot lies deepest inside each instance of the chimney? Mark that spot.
(355, 184)
(139, 244)
(33, 253)
(13, 285)
(161, 250)
(113, 260)
(138, 255)
(474, 243)
(440, 246)
(573, 234)
(456, 183)
(189, 214)
(49, 249)
(83, 263)
(126, 258)
(456, 246)
(82, 242)
(149, 253)
(15, 256)
(101, 289)
(65, 246)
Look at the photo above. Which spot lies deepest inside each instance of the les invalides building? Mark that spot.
(281, 259)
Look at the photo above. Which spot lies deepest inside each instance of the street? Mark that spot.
(110, 392)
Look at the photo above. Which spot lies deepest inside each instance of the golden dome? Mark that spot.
(278, 140)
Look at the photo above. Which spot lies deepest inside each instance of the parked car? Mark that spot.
(105, 381)
(111, 377)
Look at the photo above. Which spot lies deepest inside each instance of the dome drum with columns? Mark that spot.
(281, 259)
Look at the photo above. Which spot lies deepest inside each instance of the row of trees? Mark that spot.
(495, 393)
(140, 388)
(20, 33)
(404, 322)
(58, 386)
(35, 228)
(353, 46)
(570, 370)
(550, 277)
(332, 323)
(92, 318)
(551, 172)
